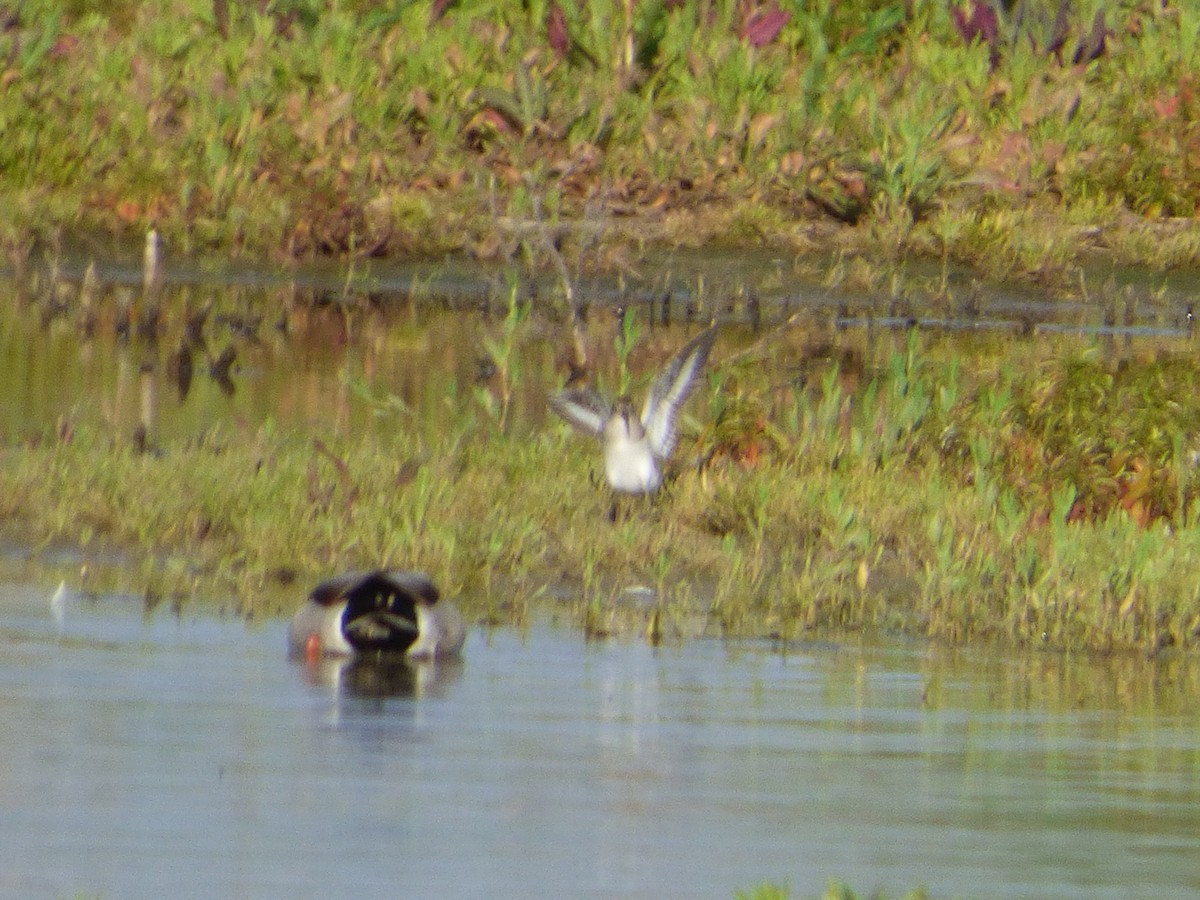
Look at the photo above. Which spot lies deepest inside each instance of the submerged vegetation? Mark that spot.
(1037, 493)
(1011, 137)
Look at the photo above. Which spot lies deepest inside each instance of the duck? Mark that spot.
(637, 446)
(386, 612)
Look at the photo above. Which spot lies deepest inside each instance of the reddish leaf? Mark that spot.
(982, 24)
(985, 24)
(64, 45)
(556, 30)
(962, 24)
(128, 211)
(439, 9)
(221, 18)
(496, 119)
(763, 27)
(1166, 107)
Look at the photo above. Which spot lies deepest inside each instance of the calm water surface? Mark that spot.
(187, 757)
(310, 357)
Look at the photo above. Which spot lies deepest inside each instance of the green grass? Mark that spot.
(835, 891)
(309, 128)
(1026, 494)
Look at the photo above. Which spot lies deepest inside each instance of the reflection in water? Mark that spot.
(179, 368)
(381, 678)
(135, 748)
(246, 351)
(320, 367)
(221, 369)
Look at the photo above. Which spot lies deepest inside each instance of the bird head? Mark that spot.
(624, 422)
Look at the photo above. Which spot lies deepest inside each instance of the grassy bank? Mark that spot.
(1043, 495)
(835, 891)
(308, 128)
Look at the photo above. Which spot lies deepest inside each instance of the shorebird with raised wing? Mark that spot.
(384, 613)
(635, 447)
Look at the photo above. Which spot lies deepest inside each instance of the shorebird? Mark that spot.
(382, 613)
(635, 447)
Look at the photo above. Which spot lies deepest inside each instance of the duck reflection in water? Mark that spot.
(383, 677)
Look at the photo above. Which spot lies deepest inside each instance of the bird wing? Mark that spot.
(334, 590)
(584, 410)
(671, 388)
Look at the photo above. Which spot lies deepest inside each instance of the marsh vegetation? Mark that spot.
(904, 452)
(990, 487)
(974, 487)
(1018, 138)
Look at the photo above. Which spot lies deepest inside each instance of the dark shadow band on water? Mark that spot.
(683, 285)
(1012, 325)
(1151, 331)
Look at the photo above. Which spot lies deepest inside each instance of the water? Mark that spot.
(187, 757)
(411, 341)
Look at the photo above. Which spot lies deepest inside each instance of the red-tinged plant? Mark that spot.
(980, 24)
(763, 26)
(556, 30)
